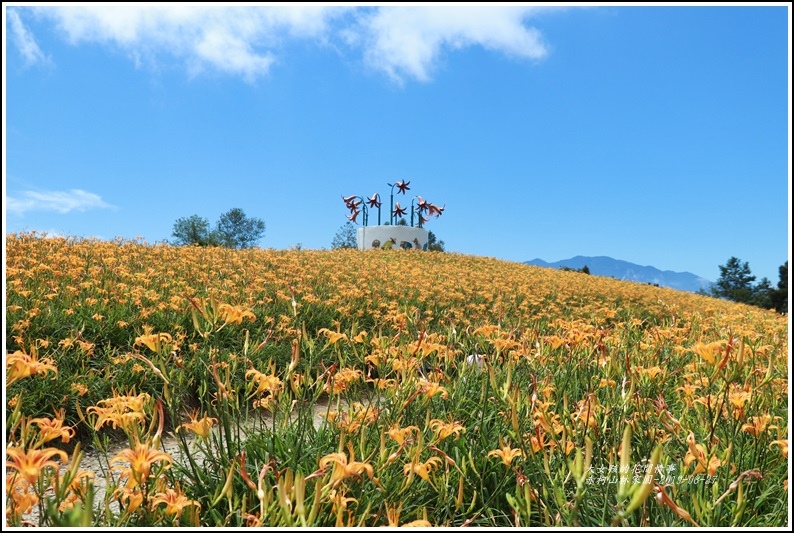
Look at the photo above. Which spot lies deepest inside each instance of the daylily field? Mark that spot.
(454, 390)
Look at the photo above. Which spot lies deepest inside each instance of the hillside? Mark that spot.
(452, 391)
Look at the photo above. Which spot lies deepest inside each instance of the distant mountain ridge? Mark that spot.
(623, 270)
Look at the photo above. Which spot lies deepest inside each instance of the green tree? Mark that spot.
(433, 244)
(193, 230)
(735, 282)
(780, 295)
(236, 230)
(762, 294)
(345, 237)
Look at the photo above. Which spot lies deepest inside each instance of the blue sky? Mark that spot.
(656, 135)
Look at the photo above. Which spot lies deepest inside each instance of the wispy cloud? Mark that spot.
(406, 41)
(402, 42)
(24, 40)
(235, 40)
(58, 201)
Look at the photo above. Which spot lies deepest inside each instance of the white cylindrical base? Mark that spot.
(405, 237)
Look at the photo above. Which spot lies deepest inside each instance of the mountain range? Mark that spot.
(623, 270)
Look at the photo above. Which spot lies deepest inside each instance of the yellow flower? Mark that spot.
(234, 314)
(430, 389)
(708, 352)
(140, 462)
(30, 464)
(445, 429)
(120, 411)
(50, 429)
(652, 372)
(77, 489)
(156, 342)
(339, 500)
(79, 388)
(344, 469)
(422, 469)
(264, 382)
(697, 454)
(587, 410)
(18, 489)
(382, 383)
(342, 380)
(506, 453)
(174, 501)
(333, 336)
(783, 446)
(21, 365)
(131, 496)
(199, 427)
(401, 434)
(757, 425)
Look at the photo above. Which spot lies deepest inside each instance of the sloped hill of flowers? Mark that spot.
(460, 390)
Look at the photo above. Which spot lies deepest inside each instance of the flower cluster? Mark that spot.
(358, 205)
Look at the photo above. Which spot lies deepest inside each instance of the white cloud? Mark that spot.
(406, 41)
(59, 201)
(24, 40)
(401, 41)
(236, 40)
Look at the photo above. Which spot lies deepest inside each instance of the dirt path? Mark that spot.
(95, 460)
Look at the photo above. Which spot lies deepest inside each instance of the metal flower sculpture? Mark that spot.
(420, 213)
(399, 211)
(402, 186)
(374, 201)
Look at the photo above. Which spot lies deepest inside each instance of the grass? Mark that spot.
(590, 401)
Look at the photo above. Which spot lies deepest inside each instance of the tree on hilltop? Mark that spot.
(193, 230)
(735, 282)
(236, 230)
(433, 244)
(345, 237)
(233, 230)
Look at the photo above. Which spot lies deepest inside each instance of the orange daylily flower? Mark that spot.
(21, 365)
(344, 469)
(30, 463)
(445, 429)
(401, 434)
(156, 342)
(422, 469)
(333, 336)
(199, 427)
(737, 397)
(697, 454)
(757, 425)
(175, 501)
(22, 498)
(131, 496)
(342, 379)
(709, 352)
(77, 488)
(506, 453)
(234, 314)
(50, 428)
(264, 382)
(120, 411)
(783, 443)
(140, 462)
(431, 388)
